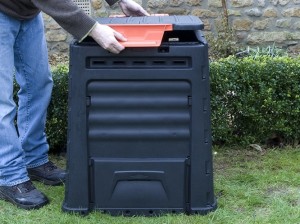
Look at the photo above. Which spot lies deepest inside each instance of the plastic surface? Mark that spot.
(148, 31)
(142, 35)
(139, 137)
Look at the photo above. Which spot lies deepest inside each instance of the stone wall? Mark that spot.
(255, 22)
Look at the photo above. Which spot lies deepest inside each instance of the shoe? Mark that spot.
(24, 195)
(48, 174)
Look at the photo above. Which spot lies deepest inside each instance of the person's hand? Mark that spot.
(107, 38)
(131, 8)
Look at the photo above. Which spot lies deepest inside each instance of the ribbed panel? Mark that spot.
(138, 110)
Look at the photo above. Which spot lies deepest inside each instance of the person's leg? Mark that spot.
(34, 77)
(15, 185)
(35, 80)
(12, 167)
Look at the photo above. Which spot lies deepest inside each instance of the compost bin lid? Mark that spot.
(148, 31)
(177, 22)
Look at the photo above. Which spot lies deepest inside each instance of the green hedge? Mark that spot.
(56, 126)
(252, 99)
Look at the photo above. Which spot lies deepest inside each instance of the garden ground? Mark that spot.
(251, 186)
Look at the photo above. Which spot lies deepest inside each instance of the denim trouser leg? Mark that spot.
(23, 49)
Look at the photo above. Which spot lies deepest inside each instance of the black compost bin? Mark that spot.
(139, 132)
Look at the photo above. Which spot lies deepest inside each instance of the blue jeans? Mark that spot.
(23, 54)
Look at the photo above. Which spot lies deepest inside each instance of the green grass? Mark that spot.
(251, 187)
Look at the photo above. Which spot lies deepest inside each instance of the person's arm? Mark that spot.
(106, 36)
(73, 19)
(68, 15)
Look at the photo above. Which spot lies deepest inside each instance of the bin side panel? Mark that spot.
(139, 118)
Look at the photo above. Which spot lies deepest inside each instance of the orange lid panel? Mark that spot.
(142, 35)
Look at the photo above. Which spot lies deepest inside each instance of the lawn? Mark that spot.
(251, 187)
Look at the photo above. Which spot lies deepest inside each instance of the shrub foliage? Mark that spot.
(56, 126)
(254, 98)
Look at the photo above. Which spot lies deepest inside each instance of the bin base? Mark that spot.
(143, 211)
(81, 211)
(204, 211)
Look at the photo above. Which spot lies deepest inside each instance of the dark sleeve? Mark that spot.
(69, 16)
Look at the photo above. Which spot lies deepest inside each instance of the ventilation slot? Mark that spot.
(179, 62)
(149, 63)
(95, 63)
(119, 62)
(138, 63)
(158, 62)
